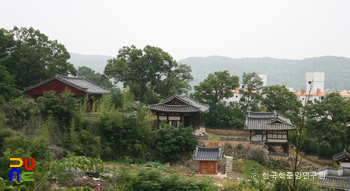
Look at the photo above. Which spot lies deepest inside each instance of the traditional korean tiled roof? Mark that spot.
(267, 121)
(341, 155)
(79, 83)
(136, 104)
(335, 183)
(192, 105)
(208, 153)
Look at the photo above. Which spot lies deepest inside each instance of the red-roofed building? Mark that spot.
(58, 83)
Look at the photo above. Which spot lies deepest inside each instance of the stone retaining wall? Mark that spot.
(228, 131)
(314, 157)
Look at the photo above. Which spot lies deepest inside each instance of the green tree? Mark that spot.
(216, 87)
(151, 73)
(61, 106)
(170, 142)
(35, 58)
(221, 116)
(250, 92)
(332, 108)
(326, 123)
(177, 81)
(98, 78)
(7, 85)
(280, 99)
(6, 44)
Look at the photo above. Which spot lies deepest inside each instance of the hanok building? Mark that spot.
(77, 85)
(270, 128)
(179, 109)
(208, 158)
(342, 158)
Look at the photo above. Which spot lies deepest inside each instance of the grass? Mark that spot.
(215, 137)
(248, 167)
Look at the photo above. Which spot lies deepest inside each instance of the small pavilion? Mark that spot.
(179, 109)
(208, 158)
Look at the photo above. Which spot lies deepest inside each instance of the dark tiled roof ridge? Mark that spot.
(208, 148)
(55, 77)
(172, 97)
(266, 121)
(62, 79)
(196, 101)
(83, 77)
(341, 155)
(207, 153)
(180, 97)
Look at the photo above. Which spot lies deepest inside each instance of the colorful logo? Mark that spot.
(23, 176)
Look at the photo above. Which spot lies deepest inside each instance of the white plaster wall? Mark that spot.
(345, 164)
(236, 97)
(318, 81)
(256, 137)
(277, 140)
(264, 78)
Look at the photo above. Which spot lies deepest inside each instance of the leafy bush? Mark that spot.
(155, 181)
(61, 106)
(156, 165)
(20, 112)
(303, 185)
(239, 146)
(245, 186)
(171, 142)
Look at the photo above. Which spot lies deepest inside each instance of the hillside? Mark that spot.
(279, 71)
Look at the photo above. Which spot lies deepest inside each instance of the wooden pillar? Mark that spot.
(167, 118)
(266, 137)
(157, 124)
(181, 121)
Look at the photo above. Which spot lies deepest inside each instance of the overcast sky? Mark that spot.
(237, 29)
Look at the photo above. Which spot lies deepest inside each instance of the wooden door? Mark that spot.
(207, 167)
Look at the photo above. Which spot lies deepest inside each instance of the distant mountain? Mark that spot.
(95, 62)
(279, 71)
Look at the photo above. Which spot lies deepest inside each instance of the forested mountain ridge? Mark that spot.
(279, 71)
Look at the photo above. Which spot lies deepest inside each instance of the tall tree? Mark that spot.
(7, 85)
(331, 108)
(34, 57)
(280, 99)
(326, 123)
(216, 87)
(98, 78)
(252, 84)
(221, 116)
(6, 44)
(150, 73)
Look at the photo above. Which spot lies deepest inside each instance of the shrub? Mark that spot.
(154, 180)
(239, 146)
(171, 142)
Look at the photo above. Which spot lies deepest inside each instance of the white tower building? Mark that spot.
(318, 81)
(263, 78)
